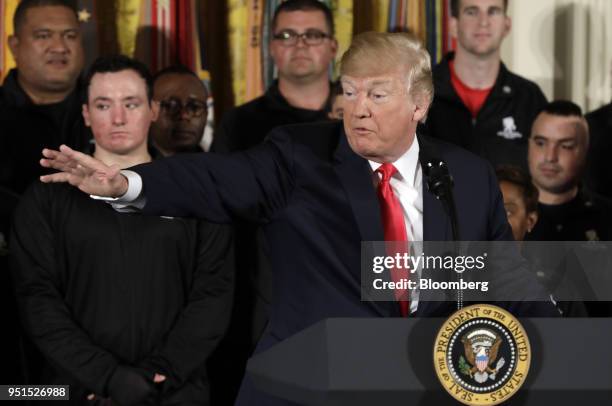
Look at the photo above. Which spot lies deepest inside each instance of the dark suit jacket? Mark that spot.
(317, 201)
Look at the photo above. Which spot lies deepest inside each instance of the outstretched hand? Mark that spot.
(83, 171)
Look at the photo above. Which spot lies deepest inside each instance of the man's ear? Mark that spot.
(421, 105)
(507, 25)
(13, 43)
(154, 110)
(452, 27)
(85, 112)
(532, 219)
(334, 46)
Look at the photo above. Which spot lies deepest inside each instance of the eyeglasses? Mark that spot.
(174, 107)
(311, 37)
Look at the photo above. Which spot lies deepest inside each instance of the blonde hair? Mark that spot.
(377, 53)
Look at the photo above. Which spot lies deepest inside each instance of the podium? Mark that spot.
(390, 362)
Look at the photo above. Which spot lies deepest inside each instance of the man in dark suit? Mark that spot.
(313, 187)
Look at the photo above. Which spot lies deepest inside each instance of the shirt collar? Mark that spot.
(406, 164)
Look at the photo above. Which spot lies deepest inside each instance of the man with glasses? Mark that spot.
(183, 112)
(302, 46)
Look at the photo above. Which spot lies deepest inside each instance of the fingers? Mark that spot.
(64, 177)
(56, 178)
(159, 378)
(91, 396)
(84, 160)
(57, 160)
(67, 159)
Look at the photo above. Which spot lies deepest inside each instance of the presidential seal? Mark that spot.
(482, 355)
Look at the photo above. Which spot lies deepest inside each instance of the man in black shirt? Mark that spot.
(39, 100)
(183, 111)
(302, 46)
(479, 104)
(567, 210)
(598, 175)
(557, 155)
(122, 306)
(39, 106)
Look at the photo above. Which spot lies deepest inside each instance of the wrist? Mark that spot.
(123, 187)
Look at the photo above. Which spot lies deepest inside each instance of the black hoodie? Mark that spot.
(500, 131)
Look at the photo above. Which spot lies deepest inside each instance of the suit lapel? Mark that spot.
(436, 225)
(355, 175)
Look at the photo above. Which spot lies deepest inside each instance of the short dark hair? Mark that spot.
(178, 70)
(174, 69)
(117, 63)
(25, 5)
(454, 7)
(305, 5)
(564, 108)
(518, 177)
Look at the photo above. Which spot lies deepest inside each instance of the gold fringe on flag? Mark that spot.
(343, 20)
(237, 17)
(128, 19)
(253, 73)
(7, 61)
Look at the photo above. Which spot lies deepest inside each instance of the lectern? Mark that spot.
(390, 362)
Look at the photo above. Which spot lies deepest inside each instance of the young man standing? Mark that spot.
(121, 306)
(479, 104)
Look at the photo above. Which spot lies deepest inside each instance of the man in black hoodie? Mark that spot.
(479, 104)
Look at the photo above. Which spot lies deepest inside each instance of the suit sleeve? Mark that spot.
(221, 141)
(45, 316)
(251, 185)
(205, 317)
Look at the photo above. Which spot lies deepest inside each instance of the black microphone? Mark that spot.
(440, 184)
(439, 180)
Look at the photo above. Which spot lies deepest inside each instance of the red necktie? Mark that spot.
(395, 230)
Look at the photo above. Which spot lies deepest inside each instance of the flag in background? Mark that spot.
(343, 21)
(254, 73)
(161, 33)
(89, 20)
(7, 9)
(237, 19)
(427, 19)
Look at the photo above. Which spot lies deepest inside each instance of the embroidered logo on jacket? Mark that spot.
(509, 132)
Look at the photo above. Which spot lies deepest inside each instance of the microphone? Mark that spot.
(440, 184)
(439, 180)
